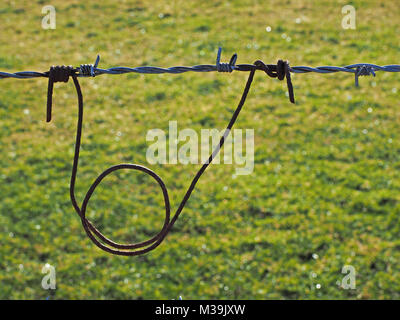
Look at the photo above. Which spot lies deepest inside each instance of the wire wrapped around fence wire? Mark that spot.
(62, 74)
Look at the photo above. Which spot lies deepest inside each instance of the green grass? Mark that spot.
(325, 188)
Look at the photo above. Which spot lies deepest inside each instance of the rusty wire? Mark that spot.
(62, 74)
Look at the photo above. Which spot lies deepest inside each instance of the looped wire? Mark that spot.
(363, 70)
(62, 73)
(100, 240)
(225, 67)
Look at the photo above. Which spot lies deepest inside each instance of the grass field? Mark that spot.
(325, 188)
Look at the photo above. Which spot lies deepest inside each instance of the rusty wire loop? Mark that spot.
(62, 74)
(281, 70)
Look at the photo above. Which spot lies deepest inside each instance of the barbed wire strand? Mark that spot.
(89, 70)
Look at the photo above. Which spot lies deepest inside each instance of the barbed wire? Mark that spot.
(89, 70)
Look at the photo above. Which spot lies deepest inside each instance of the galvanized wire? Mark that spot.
(201, 68)
(89, 70)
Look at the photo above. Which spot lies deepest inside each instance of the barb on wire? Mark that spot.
(363, 71)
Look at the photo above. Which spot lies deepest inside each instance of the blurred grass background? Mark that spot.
(325, 188)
